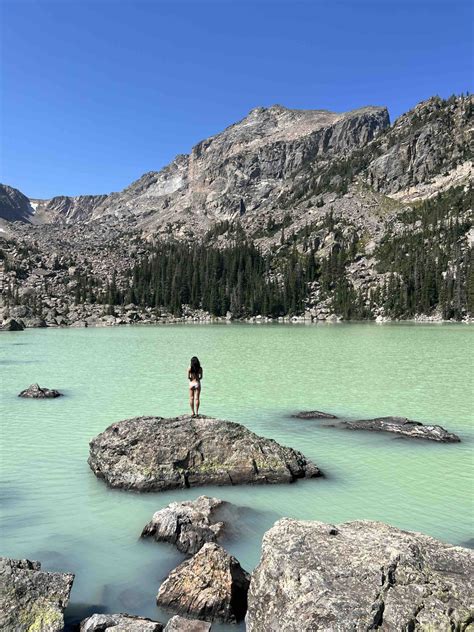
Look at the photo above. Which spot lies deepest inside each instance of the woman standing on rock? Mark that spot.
(195, 377)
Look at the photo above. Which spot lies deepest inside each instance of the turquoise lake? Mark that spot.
(54, 509)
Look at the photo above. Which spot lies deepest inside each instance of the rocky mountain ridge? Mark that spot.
(227, 172)
(315, 181)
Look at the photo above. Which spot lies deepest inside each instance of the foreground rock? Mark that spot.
(35, 391)
(405, 427)
(155, 454)
(358, 576)
(211, 585)
(119, 623)
(313, 414)
(31, 599)
(180, 624)
(188, 524)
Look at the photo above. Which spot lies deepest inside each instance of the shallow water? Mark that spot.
(55, 510)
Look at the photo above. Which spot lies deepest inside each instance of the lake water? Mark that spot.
(54, 509)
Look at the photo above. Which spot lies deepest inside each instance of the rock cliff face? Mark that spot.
(433, 139)
(156, 454)
(358, 576)
(244, 167)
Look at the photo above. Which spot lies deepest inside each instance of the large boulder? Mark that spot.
(181, 624)
(405, 427)
(358, 576)
(211, 586)
(188, 524)
(32, 600)
(35, 322)
(119, 623)
(35, 391)
(155, 454)
(12, 324)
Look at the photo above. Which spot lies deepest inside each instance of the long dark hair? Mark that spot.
(195, 366)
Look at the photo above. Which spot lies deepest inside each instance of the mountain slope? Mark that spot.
(14, 205)
(332, 215)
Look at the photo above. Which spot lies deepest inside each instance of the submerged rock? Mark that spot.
(405, 427)
(35, 391)
(31, 599)
(155, 454)
(313, 414)
(211, 585)
(11, 324)
(358, 576)
(188, 524)
(180, 624)
(119, 623)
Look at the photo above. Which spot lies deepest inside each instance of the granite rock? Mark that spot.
(156, 454)
(188, 524)
(211, 586)
(35, 391)
(358, 576)
(405, 427)
(119, 623)
(32, 600)
(181, 624)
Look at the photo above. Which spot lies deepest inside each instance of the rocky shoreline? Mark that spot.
(93, 315)
(59, 314)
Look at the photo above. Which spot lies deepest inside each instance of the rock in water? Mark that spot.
(405, 427)
(180, 624)
(188, 524)
(211, 585)
(313, 414)
(155, 454)
(31, 599)
(35, 391)
(119, 623)
(358, 576)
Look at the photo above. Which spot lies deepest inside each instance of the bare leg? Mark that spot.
(191, 399)
(197, 400)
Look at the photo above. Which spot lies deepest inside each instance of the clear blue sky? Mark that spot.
(97, 92)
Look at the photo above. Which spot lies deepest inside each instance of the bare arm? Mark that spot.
(200, 373)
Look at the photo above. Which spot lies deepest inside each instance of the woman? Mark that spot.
(195, 377)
